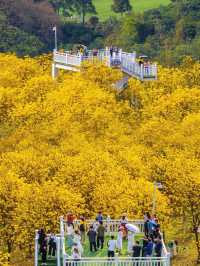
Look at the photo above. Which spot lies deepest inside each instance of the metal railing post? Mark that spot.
(66, 58)
(58, 250)
(36, 248)
(142, 71)
(54, 71)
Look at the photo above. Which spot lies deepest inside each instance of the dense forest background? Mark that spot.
(167, 33)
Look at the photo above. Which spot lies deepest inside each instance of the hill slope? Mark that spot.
(104, 6)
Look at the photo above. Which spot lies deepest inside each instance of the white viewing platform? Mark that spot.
(125, 61)
(63, 258)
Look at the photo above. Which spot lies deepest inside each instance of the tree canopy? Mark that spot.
(72, 144)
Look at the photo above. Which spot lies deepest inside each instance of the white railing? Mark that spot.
(36, 248)
(127, 62)
(111, 226)
(117, 261)
(153, 261)
(67, 59)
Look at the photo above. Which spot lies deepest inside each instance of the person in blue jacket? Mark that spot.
(148, 250)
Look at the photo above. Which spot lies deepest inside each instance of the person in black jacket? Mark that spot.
(92, 238)
(52, 245)
(82, 229)
(136, 251)
(158, 248)
(144, 244)
(44, 251)
(41, 238)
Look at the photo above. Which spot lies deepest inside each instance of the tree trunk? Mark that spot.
(9, 247)
(83, 13)
(197, 244)
(83, 17)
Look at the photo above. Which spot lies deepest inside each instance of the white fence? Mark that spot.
(126, 61)
(112, 227)
(119, 262)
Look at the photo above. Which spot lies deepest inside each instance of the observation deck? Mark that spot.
(127, 62)
(63, 257)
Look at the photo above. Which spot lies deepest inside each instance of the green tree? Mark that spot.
(121, 6)
(65, 6)
(83, 7)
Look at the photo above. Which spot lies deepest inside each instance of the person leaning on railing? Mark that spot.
(148, 249)
(158, 247)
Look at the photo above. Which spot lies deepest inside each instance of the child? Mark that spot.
(76, 255)
(111, 247)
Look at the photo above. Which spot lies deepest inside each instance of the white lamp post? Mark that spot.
(55, 36)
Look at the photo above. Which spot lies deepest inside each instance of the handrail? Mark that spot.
(36, 248)
(111, 225)
(86, 261)
(127, 62)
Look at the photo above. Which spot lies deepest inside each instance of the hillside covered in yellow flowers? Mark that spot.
(74, 144)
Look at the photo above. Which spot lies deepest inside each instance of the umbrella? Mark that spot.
(133, 228)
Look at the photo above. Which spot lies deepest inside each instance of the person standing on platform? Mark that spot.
(111, 247)
(41, 238)
(108, 223)
(158, 247)
(77, 241)
(95, 225)
(44, 251)
(148, 250)
(120, 240)
(99, 217)
(70, 219)
(131, 241)
(76, 256)
(111, 51)
(100, 235)
(123, 222)
(52, 245)
(82, 229)
(92, 238)
(136, 251)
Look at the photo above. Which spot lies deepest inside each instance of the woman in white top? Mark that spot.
(119, 239)
(77, 241)
(70, 232)
(131, 241)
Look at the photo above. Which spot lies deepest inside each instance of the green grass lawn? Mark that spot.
(102, 252)
(103, 7)
(50, 261)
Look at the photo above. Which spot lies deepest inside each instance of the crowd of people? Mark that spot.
(47, 245)
(83, 50)
(149, 245)
(77, 230)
